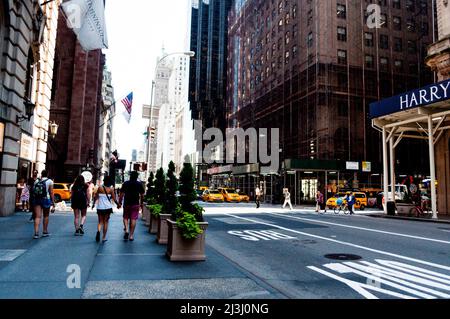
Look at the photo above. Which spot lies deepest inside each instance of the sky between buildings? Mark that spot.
(137, 29)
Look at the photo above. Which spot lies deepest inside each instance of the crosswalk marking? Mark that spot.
(389, 278)
(10, 255)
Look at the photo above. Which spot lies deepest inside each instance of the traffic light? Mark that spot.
(91, 153)
(144, 167)
(137, 167)
(152, 133)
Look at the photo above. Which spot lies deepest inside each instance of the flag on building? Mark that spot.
(87, 19)
(128, 103)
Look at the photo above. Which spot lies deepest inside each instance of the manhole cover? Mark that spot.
(343, 257)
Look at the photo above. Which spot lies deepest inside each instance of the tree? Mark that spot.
(150, 194)
(160, 187)
(172, 188)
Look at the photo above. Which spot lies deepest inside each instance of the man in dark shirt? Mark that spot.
(133, 191)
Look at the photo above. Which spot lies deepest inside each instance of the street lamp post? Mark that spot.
(187, 53)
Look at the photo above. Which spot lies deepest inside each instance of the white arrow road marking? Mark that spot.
(362, 228)
(423, 262)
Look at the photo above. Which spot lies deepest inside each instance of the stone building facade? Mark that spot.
(76, 107)
(27, 43)
(439, 60)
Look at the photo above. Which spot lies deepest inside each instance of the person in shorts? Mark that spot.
(132, 195)
(43, 200)
(104, 197)
(79, 203)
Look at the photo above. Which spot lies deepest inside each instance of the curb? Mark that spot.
(410, 218)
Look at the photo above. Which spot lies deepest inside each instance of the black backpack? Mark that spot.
(39, 190)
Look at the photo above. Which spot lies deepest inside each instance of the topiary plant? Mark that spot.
(160, 187)
(187, 190)
(150, 194)
(171, 202)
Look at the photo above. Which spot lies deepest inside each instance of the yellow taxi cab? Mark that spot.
(360, 200)
(243, 197)
(211, 195)
(230, 195)
(61, 192)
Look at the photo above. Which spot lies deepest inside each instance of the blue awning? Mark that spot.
(428, 95)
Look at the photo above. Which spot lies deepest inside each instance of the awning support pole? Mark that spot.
(385, 171)
(432, 167)
(392, 167)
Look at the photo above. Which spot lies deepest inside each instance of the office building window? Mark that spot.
(342, 56)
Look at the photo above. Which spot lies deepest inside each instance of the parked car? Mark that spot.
(61, 192)
(243, 198)
(360, 203)
(210, 195)
(230, 195)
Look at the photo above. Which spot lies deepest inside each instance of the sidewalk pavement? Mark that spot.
(37, 269)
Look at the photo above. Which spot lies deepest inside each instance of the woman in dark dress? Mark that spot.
(80, 203)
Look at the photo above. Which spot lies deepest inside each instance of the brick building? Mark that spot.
(312, 68)
(76, 107)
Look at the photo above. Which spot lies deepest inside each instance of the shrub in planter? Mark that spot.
(186, 235)
(155, 212)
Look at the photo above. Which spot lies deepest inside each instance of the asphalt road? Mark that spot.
(289, 251)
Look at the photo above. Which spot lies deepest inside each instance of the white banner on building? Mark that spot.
(87, 19)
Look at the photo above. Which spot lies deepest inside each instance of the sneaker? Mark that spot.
(77, 232)
(81, 230)
(97, 237)
(36, 236)
(45, 234)
(125, 237)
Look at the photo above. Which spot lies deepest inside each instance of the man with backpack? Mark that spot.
(43, 200)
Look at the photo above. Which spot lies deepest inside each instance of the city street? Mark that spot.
(269, 253)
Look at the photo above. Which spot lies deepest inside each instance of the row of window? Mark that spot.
(396, 4)
(384, 63)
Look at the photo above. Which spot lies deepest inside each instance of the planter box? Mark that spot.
(154, 224)
(181, 249)
(146, 215)
(163, 229)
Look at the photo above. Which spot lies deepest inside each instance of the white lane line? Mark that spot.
(447, 231)
(348, 244)
(363, 228)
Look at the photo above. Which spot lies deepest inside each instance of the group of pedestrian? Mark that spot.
(320, 202)
(82, 194)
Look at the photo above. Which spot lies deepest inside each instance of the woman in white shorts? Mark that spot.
(104, 198)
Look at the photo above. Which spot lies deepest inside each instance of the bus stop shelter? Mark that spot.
(418, 114)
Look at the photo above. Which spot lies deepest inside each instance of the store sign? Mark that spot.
(2, 135)
(27, 147)
(353, 166)
(427, 95)
(366, 167)
(246, 169)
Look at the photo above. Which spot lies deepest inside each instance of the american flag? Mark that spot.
(128, 103)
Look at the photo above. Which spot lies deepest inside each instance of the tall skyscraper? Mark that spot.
(207, 83)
